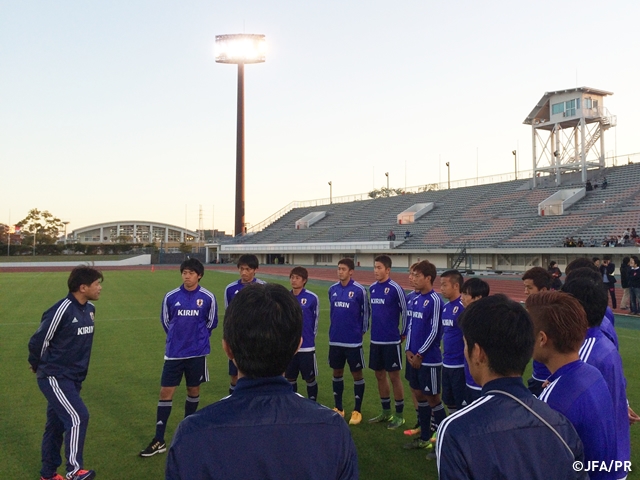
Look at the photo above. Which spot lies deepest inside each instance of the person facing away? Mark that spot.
(264, 429)
(507, 432)
(59, 353)
(188, 315)
(575, 389)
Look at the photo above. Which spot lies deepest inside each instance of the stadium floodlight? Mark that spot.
(515, 162)
(241, 49)
(448, 175)
(331, 192)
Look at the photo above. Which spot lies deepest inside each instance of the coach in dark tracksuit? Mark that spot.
(607, 270)
(59, 355)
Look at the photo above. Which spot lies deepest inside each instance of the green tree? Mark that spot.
(43, 225)
(184, 248)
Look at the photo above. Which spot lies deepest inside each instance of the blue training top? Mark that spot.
(425, 328)
(310, 314)
(452, 338)
(388, 309)
(349, 314)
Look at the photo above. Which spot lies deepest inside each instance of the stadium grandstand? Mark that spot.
(509, 225)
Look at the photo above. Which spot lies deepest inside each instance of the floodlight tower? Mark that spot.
(240, 48)
(568, 131)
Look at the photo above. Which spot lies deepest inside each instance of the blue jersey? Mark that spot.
(188, 318)
(598, 351)
(234, 287)
(286, 437)
(452, 339)
(540, 371)
(310, 314)
(496, 437)
(61, 347)
(388, 309)
(349, 314)
(608, 329)
(425, 328)
(579, 392)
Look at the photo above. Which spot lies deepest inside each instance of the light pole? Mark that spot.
(386, 174)
(448, 175)
(240, 48)
(515, 163)
(330, 192)
(65, 231)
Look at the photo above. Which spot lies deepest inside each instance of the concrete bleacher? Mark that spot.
(500, 215)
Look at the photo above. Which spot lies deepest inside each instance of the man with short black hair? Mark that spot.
(263, 430)
(189, 314)
(247, 265)
(304, 361)
(388, 309)
(475, 441)
(349, 312)
(59, 353)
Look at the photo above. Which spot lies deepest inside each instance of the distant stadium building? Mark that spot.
(134, 232)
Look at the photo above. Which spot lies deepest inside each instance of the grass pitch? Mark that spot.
(121, 390)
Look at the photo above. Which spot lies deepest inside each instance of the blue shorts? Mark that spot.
(453, 387)
(233, 370)
(385, 357)
(305, 363)
(471, 394)
(338, 356)
(194, 370)
(426, 378)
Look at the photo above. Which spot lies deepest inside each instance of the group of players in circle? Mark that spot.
(474, 413)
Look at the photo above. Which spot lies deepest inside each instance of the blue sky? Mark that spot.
(117, 110)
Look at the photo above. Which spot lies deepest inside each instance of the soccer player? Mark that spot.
(247, 266)
(472, 290)
(349, 313)
(59, 353)
(453, 379)
(188, 315)
(576, 389)
(599, 352)
(263, 430)
(424, 359)
(536, 280)
(410, 297)
(388, 309)
(507, 432)
(304, 361)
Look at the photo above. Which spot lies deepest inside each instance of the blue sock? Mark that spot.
(386, 403)
(312, 390)
(162, 416)
(439, 414)
(338, 388)
(191, 405)
(424, 417)
(399, 407)
(358, 390)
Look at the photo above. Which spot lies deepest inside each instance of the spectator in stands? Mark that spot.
(580, 243)
(595, 261)
(607, 270)
(554, 271)
(407, 234)
(592, 242)
(634, 235)
(605, 183)
(624, 282)
(588, 186)
(626, 235)
(392, 236)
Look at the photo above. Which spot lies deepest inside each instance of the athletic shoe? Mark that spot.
(394, 422)
(413, 431)
(385, 416)
(156, 446)
(82, 475)
(417, 443)
(57, 476)
(356, 418)
(339, 412)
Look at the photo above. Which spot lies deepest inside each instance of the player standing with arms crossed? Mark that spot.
(349, 312)
(304, 361)
(247, 266)
(59, 354)
(388, 308)
(188, 315)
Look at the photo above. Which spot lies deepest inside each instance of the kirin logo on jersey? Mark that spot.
(386, 291)
(455, 310)
(351, 294)
(426, 302)
(199, 302)
(91, 315)
(303, 301)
